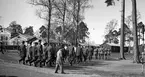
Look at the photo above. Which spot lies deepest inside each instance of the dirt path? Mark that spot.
(19, 70)
(94, 68)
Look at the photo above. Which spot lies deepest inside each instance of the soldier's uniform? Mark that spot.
(1, 47)
(90, 53)
(35, 54)
(85, 53)
(96, 53)
(30, 53)
(40, 53)
(49, 55)
(44, 56)
(79, 54)
(71, 54)
(23, 52)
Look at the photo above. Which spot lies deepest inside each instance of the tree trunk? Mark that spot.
(78, 14)
(129, 47)
(49, 20)
(122, 30)
(135, 37)
(138, 35)
(63, 21)
(74, 23)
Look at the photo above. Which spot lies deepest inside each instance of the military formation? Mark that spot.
(40, 55)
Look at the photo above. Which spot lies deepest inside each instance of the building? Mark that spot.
(18, 39)
(114, 47)
(5, 35)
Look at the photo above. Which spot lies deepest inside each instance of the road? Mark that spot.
(9, 67)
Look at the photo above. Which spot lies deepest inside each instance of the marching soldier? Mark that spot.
(35, 54)
(79, 54)
(45, 54)
(71, 54)
(40, 53)
(85, 53)
(23, 52)
(96, 53)
(90, 53)
(29, 52)
(49, 55)
(1, 47)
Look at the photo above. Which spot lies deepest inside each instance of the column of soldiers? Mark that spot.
(47, 54)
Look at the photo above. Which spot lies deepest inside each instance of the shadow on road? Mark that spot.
(7, 76)
(83, 65)
(113, 59)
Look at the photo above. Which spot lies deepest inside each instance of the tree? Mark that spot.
(29, 31)
(129, 35)
(112, 37)
(61, 6)
(43, 32)
(134, 21)
(122, 31)
(110, 33)
(112, 2)
(15, 29)
(70, 33)
(62, 12)
(135, 38)
(111, 25)
(45, 12)
(82, 32)
(128, 19)
(77, 8)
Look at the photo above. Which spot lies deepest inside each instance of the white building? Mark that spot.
(4, 35)
(18, 39)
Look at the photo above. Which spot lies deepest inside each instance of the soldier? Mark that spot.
(90, 53)
(65, 53)
(45, 54)
(29, 52)
(1, 47)
(35, 54)
(79, 54)
(40, 53)
(100, 52)
(49, 55)
(53, 54)
(71, 54)
(59, 60)
(96, 53)
(23, 52)
(85, 53)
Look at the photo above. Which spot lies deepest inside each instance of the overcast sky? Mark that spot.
(96, 17)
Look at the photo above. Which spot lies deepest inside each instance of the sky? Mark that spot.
(96, 17)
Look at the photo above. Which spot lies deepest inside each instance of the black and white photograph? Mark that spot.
(72, 38)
